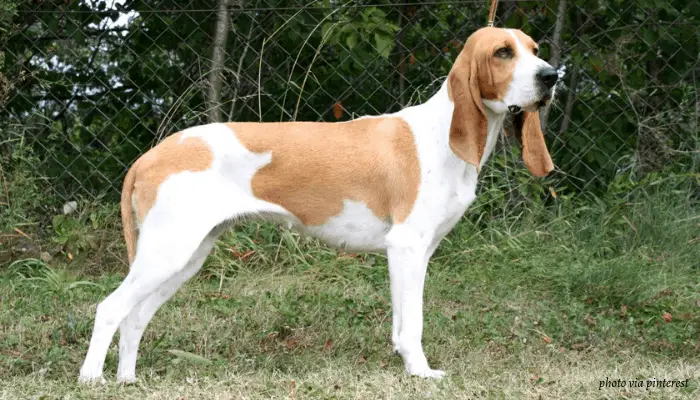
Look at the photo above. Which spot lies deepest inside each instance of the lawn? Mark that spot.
(542, 305)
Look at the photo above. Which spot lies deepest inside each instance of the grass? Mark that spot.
(543, 306)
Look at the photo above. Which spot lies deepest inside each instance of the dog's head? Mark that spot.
(499, 69)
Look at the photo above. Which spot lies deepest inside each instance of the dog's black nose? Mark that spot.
(548, 76)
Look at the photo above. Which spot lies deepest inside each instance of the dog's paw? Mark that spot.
(90, 379)
(429, 373)
(126, 379)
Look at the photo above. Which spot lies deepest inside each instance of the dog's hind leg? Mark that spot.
(170, 247)
(132, 327)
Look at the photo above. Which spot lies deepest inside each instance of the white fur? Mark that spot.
(524, 90)
(180, 229)
(356, 228)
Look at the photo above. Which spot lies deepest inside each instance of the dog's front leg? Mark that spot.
(406, 251)
(396, 283)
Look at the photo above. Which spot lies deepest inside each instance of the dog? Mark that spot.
(394, 184)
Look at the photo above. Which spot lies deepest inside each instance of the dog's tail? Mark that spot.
(128, 213)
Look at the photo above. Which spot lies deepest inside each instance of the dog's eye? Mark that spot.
(504, 52)
(535, 51)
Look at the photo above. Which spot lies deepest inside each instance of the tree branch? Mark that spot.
(556, 45)
(570, 99)
(217, 62)
(555, 56)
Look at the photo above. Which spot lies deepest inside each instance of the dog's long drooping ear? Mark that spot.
(535, 154)
(468, 126)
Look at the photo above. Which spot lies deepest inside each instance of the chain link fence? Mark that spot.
(88, 86)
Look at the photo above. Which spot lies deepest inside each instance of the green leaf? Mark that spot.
(348, 27)
(384, 44)
(351, 40)
(191, 357)
(84, 283)
(388, 27)
(328, 26)
(58, 221)
(94, 220)
(52, 24)
(377, 13)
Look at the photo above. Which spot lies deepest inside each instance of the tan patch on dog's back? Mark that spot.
(315, 166)
(169, 157)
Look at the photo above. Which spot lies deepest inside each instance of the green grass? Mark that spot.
(516, 307)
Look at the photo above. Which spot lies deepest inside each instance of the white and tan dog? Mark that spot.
(395, 184)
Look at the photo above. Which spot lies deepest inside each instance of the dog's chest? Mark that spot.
(458, 193)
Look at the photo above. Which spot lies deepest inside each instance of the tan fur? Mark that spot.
(494, 74)
(315, 166)
(169, 157)
(525, 40)
(449, 92)
(128, 212)
(535, 153)
(476, 75)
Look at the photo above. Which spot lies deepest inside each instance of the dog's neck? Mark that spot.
(437, 111)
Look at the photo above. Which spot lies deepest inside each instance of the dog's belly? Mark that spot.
(356, 228)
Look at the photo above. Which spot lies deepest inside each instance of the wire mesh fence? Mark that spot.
(88, 86)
